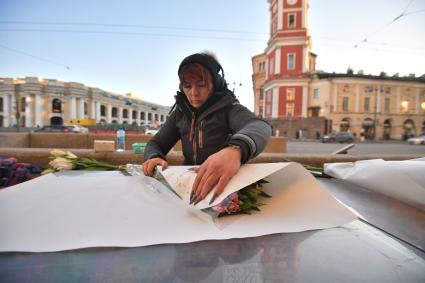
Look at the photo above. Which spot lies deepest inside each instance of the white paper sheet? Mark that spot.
(402, 180)
(53, 213)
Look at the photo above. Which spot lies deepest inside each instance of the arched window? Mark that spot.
(56, 121)
(134, 114)
(114, 112)
(56, 105)
(125, 113)
(102, 110)
(345, 124)
(387, 129)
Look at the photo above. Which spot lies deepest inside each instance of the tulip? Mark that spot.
(60, 163)
(71, 155)
(58, 153)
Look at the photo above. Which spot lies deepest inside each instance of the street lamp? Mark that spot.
(375, 114)
(234, 85)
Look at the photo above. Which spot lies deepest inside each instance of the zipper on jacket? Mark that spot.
(192, 138)
(200, 135)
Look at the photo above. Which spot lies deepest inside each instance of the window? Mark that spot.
(134, 114)
(274, 25)
(125, 113)
(290, 109)
(367, 104)
(345, 104)
(102, 110)
(291, 21)
(23, 102)
(261, 66)
(56, 106)
(387, 104)
(271, 69)
(85, 108)
(142, 115)
(149, 116)
(405, 106)
(316, 93)
(290, 94)
(114, 112)
(1, 104)
(291, 61)
(268, 103)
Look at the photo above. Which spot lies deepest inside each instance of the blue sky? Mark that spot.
(136, 46)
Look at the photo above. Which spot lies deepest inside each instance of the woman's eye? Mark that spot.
(186, 86)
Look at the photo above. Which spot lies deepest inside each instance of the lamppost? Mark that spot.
(234, 85)
(375, 114)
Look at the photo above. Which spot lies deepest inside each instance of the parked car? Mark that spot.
(57, 129)
(417, 140)
(338, 137)
(78, 129)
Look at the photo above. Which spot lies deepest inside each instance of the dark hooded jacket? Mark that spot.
(221, 121)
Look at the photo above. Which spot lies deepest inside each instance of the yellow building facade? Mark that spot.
(393, 107)
(34, 102)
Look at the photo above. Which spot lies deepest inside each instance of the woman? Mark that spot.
(216, 132)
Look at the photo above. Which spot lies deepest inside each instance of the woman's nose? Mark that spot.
(195, 90)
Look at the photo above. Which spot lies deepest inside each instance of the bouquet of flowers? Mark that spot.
(61, 160)
(243, 201)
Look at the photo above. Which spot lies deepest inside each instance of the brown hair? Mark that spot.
(194, 71)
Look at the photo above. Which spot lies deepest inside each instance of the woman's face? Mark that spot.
(197, 85)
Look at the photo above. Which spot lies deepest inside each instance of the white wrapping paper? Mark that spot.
(402, 180)
(54, 213)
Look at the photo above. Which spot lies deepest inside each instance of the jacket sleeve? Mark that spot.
(164, 140)
(251, 133)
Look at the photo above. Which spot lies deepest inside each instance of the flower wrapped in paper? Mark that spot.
(244, 201)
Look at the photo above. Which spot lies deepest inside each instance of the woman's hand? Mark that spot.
(149, 165)
(216, 172)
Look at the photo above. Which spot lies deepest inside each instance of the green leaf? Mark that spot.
(264, 194)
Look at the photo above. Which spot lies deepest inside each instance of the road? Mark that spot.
(359, 148)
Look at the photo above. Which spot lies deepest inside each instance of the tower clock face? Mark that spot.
(291, 2)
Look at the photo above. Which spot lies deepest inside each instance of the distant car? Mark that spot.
(78, 129)
(338, 137)
(151, 131)
(417, 140)
(56, 129)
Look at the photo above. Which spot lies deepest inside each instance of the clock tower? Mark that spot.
(288, 61)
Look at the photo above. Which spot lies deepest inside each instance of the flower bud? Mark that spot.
(71, 155)
(58, 153)
(60, 163)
